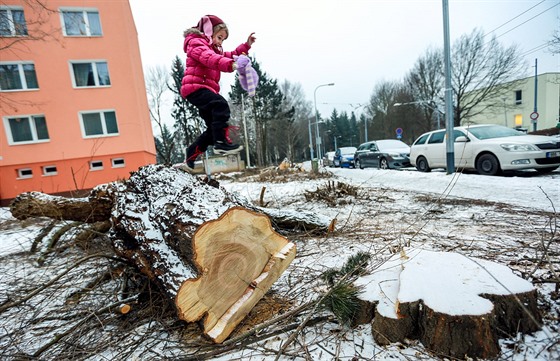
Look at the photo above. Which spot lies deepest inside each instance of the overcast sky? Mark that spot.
(352, 43)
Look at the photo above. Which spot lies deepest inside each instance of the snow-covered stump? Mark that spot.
(456, 306)
(213, 253)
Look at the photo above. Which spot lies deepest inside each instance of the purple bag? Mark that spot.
(248, 77)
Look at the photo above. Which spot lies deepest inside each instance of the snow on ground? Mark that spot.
(502, 219)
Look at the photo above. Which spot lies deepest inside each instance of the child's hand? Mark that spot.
(241, 62)
(251, 39)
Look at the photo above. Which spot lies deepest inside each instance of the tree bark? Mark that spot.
(212, 252)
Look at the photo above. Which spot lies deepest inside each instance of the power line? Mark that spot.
(539, 14)
(510, 20)
(537, 48)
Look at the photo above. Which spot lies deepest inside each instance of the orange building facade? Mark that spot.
(73, 105)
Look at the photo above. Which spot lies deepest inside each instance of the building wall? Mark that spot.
(513, 113)
(61, 103)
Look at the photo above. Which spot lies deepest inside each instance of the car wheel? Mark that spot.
(422, 165)
(487, 164)
(383, 164)
(545, 170)
(359, 164)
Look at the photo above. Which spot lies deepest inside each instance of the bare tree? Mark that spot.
(555, 42)
(37, 27)
(157, 85)
(426, 83)
(290, 135)
(381, 101)
(20, 29)
(485, 66)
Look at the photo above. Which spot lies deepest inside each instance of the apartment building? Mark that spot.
(515, 106)
(73, 102)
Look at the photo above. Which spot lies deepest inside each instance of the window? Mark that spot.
(96, 165)
(117, 162)
(23, 173)
(90, 74)
(518, 97)
(422, 139)
(49, 170)
(458, 133)
(95, 124)
(12, 22)
(437, 137)
(26, 129)
(18, 76)
(81, 22)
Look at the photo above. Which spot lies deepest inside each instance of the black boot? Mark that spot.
(225, 145)
(227, 148)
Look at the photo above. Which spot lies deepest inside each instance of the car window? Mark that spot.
(437, 137)
(458, 133)
(494, 131)
(422, 139)
(373, 147)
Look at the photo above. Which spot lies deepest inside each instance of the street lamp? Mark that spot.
(318, 139)
(426, 104)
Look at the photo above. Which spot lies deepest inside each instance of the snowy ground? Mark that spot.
(507, 220)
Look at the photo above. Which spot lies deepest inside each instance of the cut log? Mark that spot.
(212, 252)
(456, 306)
(239, 257)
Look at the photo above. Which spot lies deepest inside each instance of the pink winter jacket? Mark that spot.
(205, 64)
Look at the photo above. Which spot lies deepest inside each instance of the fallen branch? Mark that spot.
(30, 295)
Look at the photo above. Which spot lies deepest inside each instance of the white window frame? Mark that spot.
(21, 74)
(85, 19)
(103, 123)
(48, 170)
(24, 176)
(95, 165)
(121, 163)
(93, 64)
(33, 127)
(12, 23)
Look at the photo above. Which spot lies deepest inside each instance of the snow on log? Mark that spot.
(211, 251)
(455, 305)
(95, 208)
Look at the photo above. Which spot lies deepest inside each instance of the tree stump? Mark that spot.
(456, 306)
(212, 252)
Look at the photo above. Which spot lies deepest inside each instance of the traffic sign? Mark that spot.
(534, 116)
(399, 131)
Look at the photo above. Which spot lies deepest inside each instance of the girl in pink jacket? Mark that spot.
(200, 85)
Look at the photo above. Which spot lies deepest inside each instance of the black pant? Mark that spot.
(214, 109)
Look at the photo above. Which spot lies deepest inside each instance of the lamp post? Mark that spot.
(426, 104)
(318, 139)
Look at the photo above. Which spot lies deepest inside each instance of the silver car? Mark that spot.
(489, 149)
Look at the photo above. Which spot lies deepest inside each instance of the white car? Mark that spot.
(328, 159)
(489, 149)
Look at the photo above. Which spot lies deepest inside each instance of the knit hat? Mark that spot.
(207, 23)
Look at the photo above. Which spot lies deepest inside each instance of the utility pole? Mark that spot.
(535, 101)
(448, 91)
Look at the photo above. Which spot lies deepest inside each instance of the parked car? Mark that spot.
(328, 159)
(489, 149)
(383, 154)
(344, 157)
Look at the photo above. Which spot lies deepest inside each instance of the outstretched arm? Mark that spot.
(251, 39)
